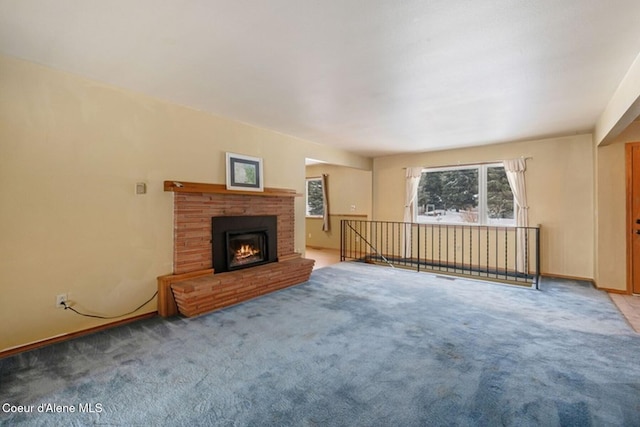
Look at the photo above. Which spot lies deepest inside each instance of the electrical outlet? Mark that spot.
(60, 299)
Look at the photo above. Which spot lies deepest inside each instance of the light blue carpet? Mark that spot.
(357, 345)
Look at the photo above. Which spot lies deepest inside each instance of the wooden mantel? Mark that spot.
(197, 187)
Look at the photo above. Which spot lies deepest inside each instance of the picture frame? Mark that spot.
(244, 173)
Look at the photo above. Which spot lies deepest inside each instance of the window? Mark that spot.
(466, 195)
(314, 197)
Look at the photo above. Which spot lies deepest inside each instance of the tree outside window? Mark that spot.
(468, 195)
(314, 197)
(499, 196)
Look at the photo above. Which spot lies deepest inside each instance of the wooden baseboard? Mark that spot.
(616, 291)
(592, 281)
(562, 276)
(60, 338)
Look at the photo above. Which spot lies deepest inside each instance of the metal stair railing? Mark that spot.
(496, 253)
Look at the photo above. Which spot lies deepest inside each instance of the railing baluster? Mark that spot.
(360, 240)
(418, 246)
(515, 253)
(371, 238)
(506, 253)
(352, 238)
(439, 248)
(433, 255)
(526, 252)
(497, 267)
(357, 240)
(393, 242)
(537, 257)
(386, 239)
(454, 248)
(471, 249)
(479, 256)
(487, 259)
(354, 241)
(399, 247)
(345, 239)
(462, 249)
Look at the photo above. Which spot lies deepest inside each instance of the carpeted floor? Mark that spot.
(357, 345)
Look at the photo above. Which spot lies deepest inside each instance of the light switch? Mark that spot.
(141, 188)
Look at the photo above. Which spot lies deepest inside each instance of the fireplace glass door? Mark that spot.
(246, 249)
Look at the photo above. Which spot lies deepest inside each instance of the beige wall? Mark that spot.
(71, 152)
(560, 182)
(611, 211)
(348, 188)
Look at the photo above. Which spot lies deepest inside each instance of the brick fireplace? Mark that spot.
(194, 287)
(192, 224)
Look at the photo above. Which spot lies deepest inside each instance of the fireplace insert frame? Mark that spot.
(221, 225)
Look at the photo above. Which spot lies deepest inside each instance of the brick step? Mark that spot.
(214, 291)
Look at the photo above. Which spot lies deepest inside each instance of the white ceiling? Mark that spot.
(371, 76)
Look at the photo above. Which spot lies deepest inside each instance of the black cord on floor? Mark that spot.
(66, 307)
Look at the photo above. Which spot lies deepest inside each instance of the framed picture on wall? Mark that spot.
(244, 172)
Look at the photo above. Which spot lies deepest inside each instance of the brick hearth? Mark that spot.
(207, 293)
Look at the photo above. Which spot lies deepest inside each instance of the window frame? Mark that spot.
(306, 199)
(483, 212)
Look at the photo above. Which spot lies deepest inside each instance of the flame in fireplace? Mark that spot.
(246, 251)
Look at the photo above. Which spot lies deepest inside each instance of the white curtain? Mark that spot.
(325, 203)
(515, 169)
(411, 191)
